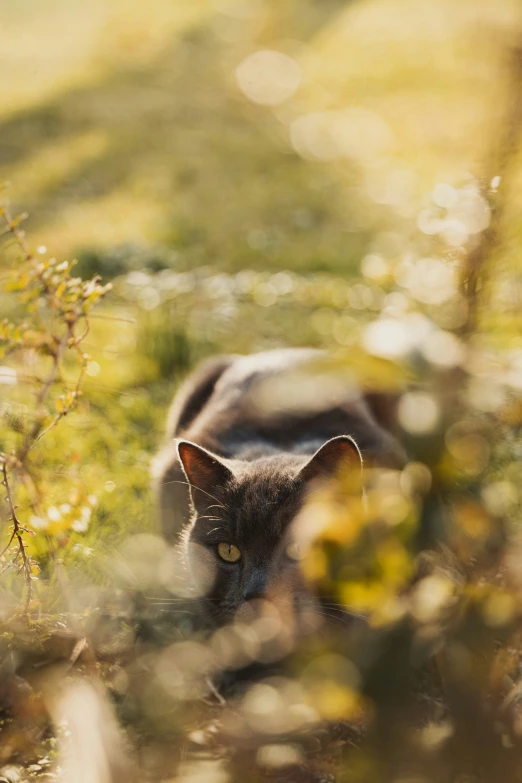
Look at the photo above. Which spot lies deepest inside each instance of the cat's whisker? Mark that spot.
(165, 601)
(214, 615)
(345, 610)
(185, 614)
(340, 613)
(173, 612)
(214, 530)
(337, 622)
(193, 486)
(332, 613)
(220, 507)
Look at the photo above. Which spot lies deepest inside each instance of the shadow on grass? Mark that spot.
(179, 130)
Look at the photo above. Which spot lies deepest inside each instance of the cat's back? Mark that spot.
(245, 376)
(283, 401)
(286, 400)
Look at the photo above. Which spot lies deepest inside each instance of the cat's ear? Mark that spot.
(205, 472)
(336, 456)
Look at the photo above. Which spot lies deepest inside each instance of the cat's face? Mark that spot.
(243, 546)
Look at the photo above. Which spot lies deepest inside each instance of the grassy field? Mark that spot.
(121, 125)
(126, 136)
(339, 190)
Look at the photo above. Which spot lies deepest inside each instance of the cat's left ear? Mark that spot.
(204, 470)
(336, 456)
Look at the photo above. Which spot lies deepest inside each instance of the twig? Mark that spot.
(105, 317)
(31, 435)
(60, 415)
(17, 534)
(19, 236)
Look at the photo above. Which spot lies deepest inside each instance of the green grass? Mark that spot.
(133, 129)
(130, 144)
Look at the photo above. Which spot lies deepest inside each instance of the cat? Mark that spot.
(247, 437)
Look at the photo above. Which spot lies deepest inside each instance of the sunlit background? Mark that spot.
(252, 174)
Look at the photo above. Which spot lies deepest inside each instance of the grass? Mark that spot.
(126, 137)
(131, 146)
(134, 130)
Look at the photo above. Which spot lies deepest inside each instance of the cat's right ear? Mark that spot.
(336, 456)
(204, 471)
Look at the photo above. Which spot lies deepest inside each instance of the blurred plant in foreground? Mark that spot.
(55, 311)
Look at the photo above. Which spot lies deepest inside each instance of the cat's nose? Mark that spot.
(255, 584)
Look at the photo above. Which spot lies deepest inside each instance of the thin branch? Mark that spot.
(32, 433)
(105, 317)
(19, 236)
(60, 415)
(17, 534)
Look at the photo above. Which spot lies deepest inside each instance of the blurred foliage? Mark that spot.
(252, 174)
(57, 307)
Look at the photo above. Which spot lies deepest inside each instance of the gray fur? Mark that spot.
(245, 441)
(215, 409)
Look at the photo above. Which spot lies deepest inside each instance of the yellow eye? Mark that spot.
(229, 552)
(294, 551)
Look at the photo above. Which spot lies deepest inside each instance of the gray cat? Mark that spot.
(247, 437)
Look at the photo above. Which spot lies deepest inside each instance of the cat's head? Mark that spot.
(242, 546)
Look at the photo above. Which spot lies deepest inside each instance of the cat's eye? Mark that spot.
(294, 551)
(229, 552)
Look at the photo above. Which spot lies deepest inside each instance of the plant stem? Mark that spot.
(17, 534)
